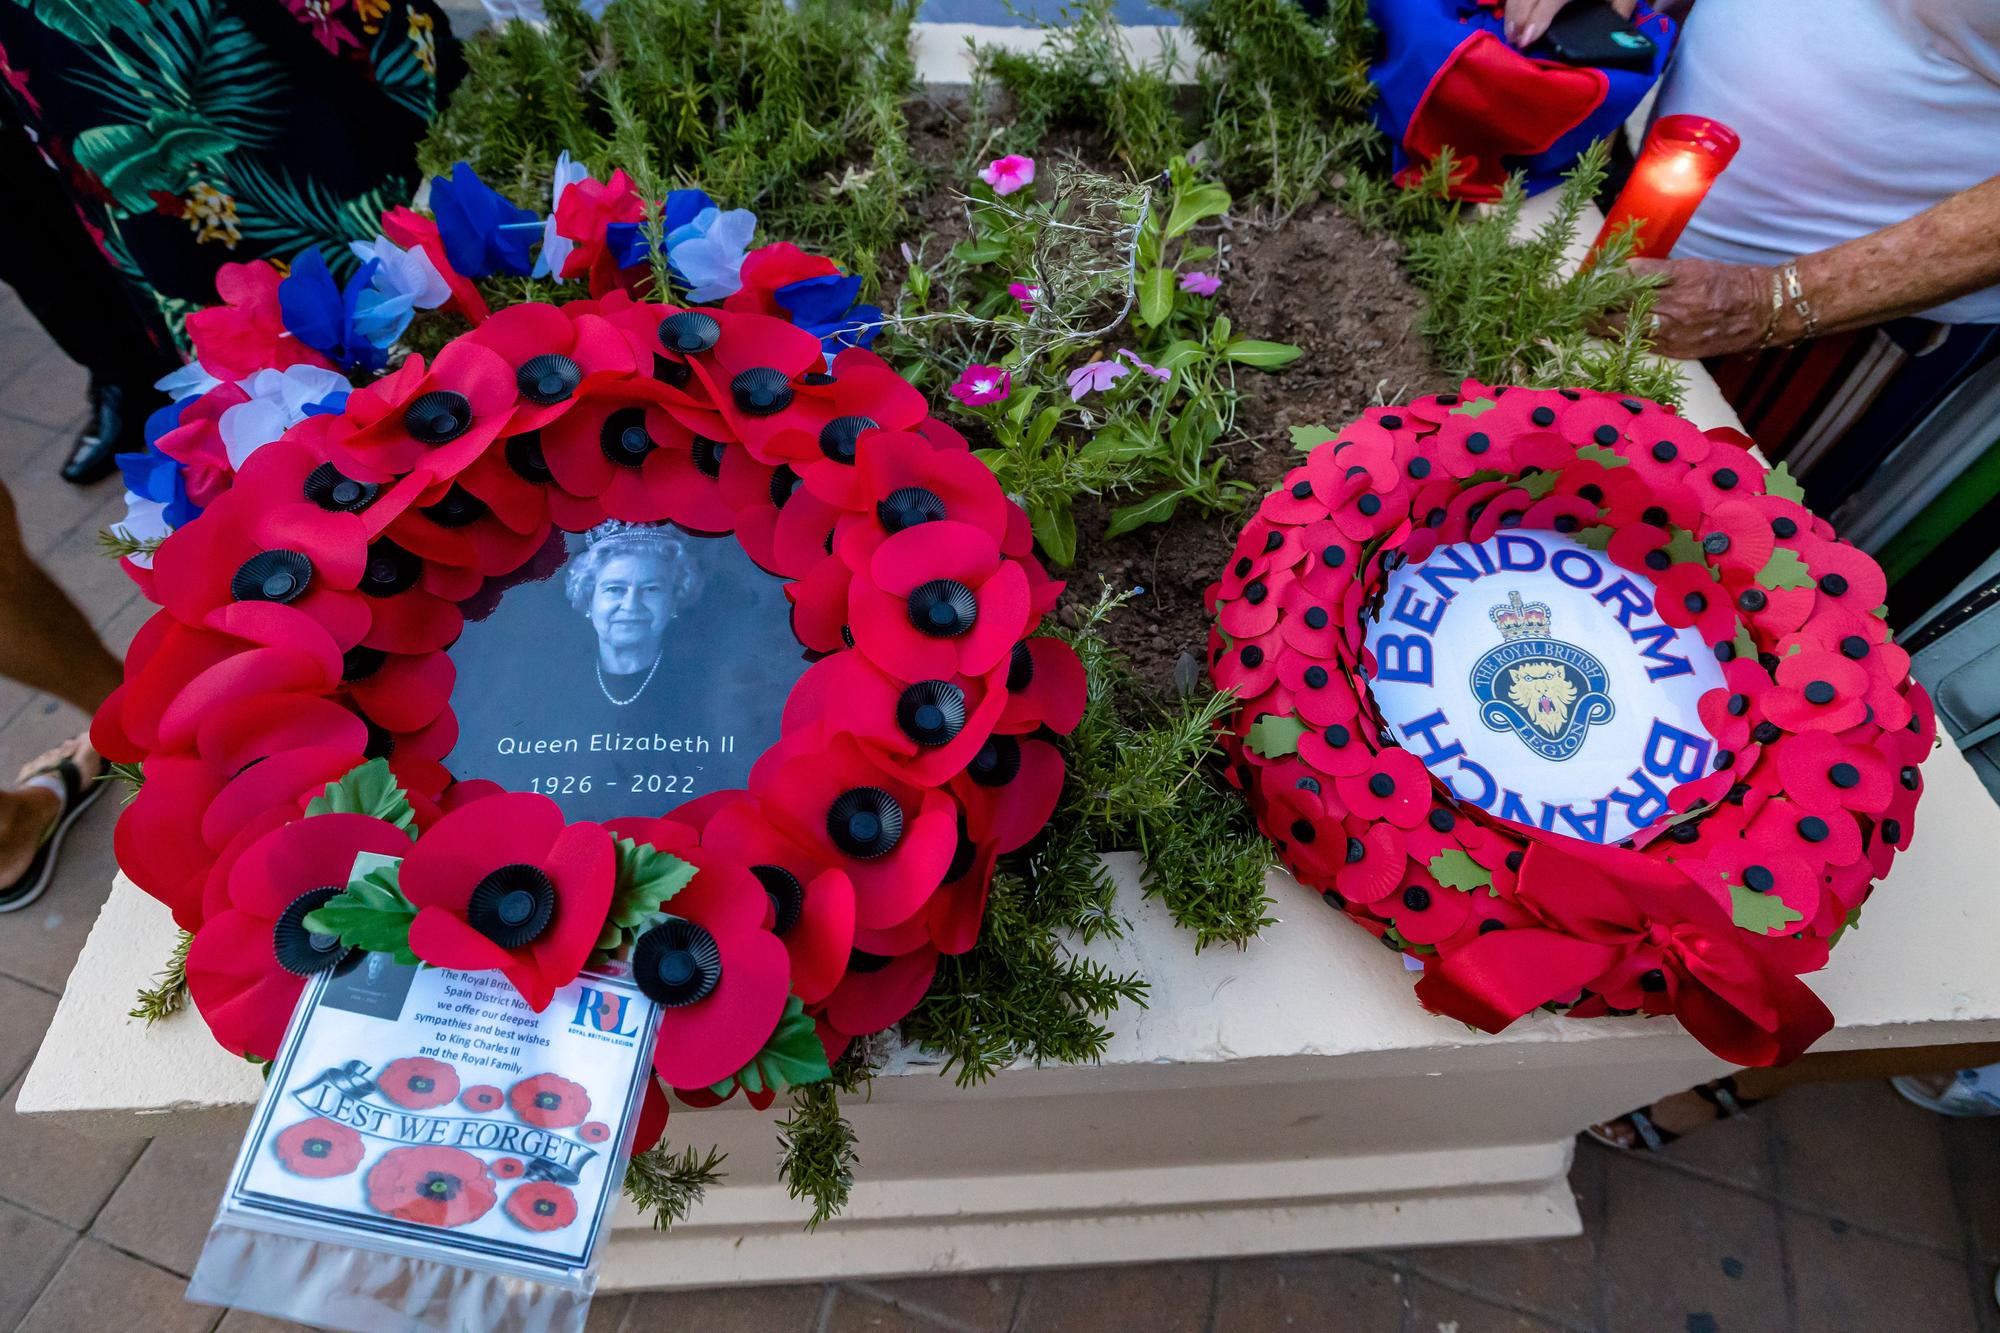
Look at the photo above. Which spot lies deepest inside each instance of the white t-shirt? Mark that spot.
(1854, 114)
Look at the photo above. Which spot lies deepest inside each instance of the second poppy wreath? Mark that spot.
(1577, 706)
(619, 634)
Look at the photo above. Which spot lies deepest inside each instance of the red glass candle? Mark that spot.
(1682, 158)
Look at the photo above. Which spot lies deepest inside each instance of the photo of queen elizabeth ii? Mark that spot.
(629, 583)
(644, 666)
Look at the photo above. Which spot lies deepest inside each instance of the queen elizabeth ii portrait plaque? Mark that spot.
(636, 667)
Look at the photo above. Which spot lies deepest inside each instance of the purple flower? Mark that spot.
(1201, 284)
(1163, 376)
(1026, 295)
(982, 384)
(1008, 174)
(1094, 377)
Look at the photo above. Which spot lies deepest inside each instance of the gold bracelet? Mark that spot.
(1796, 292)
(1777, 308)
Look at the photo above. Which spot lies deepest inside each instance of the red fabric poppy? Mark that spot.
(549, 1101)
(820, 935)
(922, 733)
(718, 973)
(249, 962)
(296, 555)
(481, 1098)
(541, 1205)
(877, 993)
(418, 1082)
(319, 1148)
(440, 420)
(893, 840)
(1686, 595)
(1395, 787)
(503, 883)
(431, 1186)
(1817, 691)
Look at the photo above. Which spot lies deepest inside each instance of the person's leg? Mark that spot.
(70, 288)
(47, 645)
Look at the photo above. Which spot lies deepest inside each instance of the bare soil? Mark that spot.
(1317, 279)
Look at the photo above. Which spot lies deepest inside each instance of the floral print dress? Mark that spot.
(194, 133)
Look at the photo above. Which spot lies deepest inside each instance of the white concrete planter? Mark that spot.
(1292, 1096)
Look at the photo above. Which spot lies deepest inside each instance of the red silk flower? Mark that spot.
(505, 884)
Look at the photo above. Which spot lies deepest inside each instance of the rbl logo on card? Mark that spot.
(604, 1013)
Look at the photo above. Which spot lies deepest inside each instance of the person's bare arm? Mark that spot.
(1944, 252)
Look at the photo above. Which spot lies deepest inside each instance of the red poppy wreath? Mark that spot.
(292, 703)
(1423, 714)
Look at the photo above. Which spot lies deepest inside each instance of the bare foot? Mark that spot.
(27, 812)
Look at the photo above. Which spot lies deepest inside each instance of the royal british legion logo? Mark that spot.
(1547, 692)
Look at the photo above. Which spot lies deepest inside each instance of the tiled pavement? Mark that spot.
(1833, 1208)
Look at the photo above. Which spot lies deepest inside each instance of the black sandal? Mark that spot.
(1721, 1094)
(75, 797)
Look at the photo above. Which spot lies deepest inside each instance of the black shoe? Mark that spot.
(117, 426)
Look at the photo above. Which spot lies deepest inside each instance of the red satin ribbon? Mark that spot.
(1737, 1002)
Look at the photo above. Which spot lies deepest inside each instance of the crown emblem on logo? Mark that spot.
(1516, 621)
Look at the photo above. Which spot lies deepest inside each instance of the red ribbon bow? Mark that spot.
(1604, 905)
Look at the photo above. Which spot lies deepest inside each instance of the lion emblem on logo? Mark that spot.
(1547, 692)
(1543, 691)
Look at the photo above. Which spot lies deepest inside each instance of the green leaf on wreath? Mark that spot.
(1683, 548)
(1596, 537)
(1760, 912)
(1455, 870)
(371, 913)
(1603, 457)
(1746, 647)
(1853, 922)
(1305, 439)
(1274, 737)
(792, 1056)
(1780, 482)
(1785, 570)
(368, 790)
(1538, 484)
(1475, 407)
(647, 878)
(1881, 612)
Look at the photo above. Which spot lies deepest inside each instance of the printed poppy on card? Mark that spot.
(481, 1097)
(434, 1187)
(319, 1148)
(508, 1168)
(418, 1082)
(548, 1101)
(542, 1205)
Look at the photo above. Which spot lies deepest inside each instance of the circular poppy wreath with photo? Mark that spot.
(1747, 875)
(291, 702)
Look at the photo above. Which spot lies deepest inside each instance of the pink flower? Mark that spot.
(1163, 376)
(1093, 378)
(1026, 295)
(319, 16)
(1008, 174)
(1201, 284)
(982, 384)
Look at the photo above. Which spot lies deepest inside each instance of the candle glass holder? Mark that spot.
(1682, 157)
